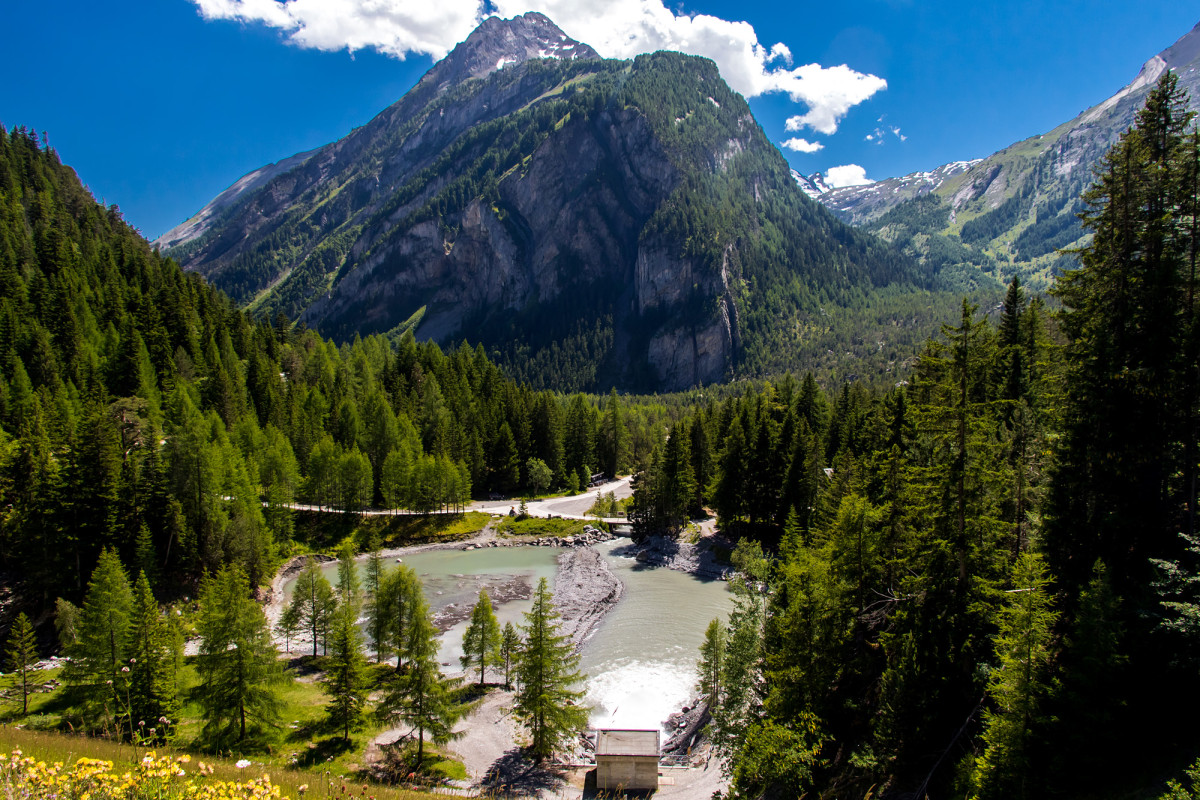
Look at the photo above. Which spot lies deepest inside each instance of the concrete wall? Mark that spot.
(628, 772)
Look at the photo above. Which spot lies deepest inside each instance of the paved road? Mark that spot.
(573, 507)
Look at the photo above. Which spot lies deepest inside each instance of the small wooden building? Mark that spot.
(626, 759)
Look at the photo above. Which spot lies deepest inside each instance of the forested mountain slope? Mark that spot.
(982, 584)
(592, 223)
(1019, 206)
(140, 410)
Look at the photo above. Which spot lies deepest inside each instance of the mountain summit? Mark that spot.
(591, 222)
(498, 43)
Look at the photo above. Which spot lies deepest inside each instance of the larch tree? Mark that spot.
(510, 651)
(546, 704)
(288, 624)
(238, 663)
(346, 675)
(349, 586)
(22, 657)
(481, 640)
(400, 593)
(711, 665)
(376, 576)
(153, 686)
(314, 600)
(419, 695)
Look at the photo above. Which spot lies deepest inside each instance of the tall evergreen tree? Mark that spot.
(22, 657)
(481, 640)
(510, 651)
(419, 695)
(546, 704)
(1018, 686)
(346, 676)
(239, 672)
(152, 680)
(104, 628)
(314, 601)
(711, 666)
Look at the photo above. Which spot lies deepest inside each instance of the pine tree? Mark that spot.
(22, 657)
(1018, 686)
(314, 601)
(510, 651)
(346, 675)
(712, 664)
(152, 679)
(545, 703)
(288, 624)
(238, 667)
(376, 577)
(481, 640)
(104, 628)
(400, 596)
(420, 696)
(1129, 316)
(349, 586)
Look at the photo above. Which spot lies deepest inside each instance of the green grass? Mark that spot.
(534, 526)
(324, 532)
(303, 747)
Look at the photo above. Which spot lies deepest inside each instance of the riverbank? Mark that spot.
(585, 590)
(707, 558)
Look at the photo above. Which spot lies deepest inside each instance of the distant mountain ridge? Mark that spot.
(1019, 205)
(591, 222)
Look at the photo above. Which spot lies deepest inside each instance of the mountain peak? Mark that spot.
(497, 43)
(1185, 51)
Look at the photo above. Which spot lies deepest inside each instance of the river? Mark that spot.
(641, 661)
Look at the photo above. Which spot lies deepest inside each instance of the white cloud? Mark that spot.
(617, 29)
(829, 93)
(393, 27)
(802, 145)
(846, 175)
(880, 133)
(625, 28)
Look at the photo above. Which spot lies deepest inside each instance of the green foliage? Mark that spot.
(21, 656)
(545, 703)
(1017, 686)
(238, 667)
(773, 757)
(345, 678)
(155, 650)
(510, 651)
(481, 639)
(102, 648)
(314, 603)
(1176, 790)
(711, 666)
(418, 695)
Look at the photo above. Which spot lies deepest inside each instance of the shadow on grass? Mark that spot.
(320, 751)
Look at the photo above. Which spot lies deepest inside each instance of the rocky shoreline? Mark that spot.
(585, 590)
(701, 558)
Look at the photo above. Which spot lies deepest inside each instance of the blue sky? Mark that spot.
(161, 104)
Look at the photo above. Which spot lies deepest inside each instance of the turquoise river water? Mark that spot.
(640, 662)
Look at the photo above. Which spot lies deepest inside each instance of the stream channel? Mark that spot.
(640, 661)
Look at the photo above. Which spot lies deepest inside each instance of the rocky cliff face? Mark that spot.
(570, 213)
